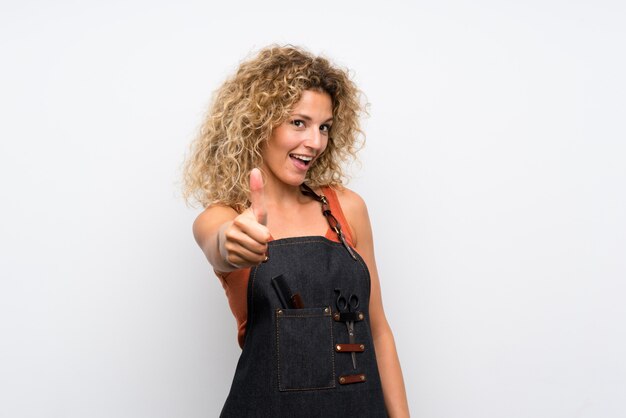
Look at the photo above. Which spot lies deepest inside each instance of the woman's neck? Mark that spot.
(290, 213)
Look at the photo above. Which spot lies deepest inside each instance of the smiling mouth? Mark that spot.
(305, 159)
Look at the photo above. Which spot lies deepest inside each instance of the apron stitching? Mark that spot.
(322, 240)
(332, 354)
(326, 241)
(250, 300)
(278, 349)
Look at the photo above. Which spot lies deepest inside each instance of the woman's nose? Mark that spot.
(315, 138)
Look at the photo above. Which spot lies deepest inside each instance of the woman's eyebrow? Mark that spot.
(308, 118)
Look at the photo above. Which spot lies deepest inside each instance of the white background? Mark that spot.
(494, 175)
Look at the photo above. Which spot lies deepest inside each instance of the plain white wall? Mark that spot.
(494, 174)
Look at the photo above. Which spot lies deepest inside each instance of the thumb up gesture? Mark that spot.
(244, 241)
(257, 197)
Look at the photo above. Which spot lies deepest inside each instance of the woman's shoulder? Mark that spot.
(351, 202)
(354, 209)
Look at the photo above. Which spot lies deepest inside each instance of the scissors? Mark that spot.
(348, 305)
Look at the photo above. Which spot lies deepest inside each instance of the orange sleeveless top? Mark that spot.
(235, 283)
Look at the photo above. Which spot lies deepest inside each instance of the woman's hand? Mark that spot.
(230, 240)
(243, 242)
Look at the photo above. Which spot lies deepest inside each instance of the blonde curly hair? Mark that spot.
(249, 105)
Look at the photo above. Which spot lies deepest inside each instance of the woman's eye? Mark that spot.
(325, 128)
(297, 123)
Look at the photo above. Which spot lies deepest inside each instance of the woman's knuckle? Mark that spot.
(229, 234)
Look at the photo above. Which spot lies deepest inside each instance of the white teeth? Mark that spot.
(302, 157)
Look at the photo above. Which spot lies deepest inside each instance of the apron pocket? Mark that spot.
(304, 349)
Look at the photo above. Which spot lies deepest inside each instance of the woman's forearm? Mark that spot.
(391, 375)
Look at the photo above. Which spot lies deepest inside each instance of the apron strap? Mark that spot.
(332, 221)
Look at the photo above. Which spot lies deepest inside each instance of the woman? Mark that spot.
(292, 246)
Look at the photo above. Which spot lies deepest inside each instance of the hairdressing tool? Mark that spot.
(287, 298)
(348, 305)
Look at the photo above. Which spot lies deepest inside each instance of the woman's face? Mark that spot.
(294, 145)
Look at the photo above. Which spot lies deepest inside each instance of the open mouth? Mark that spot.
(303, 160)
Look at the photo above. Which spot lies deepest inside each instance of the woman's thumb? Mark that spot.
(257, 196)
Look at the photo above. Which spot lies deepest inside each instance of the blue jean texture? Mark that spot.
(289, 366)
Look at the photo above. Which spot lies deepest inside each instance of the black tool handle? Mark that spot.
(287, 298)
(279, 292)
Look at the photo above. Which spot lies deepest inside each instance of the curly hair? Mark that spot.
(249, 105)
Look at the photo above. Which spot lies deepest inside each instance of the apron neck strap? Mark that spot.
(332, 221)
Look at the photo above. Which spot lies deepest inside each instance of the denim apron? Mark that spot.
(298, 362)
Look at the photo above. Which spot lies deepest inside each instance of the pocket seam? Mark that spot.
(332, 352)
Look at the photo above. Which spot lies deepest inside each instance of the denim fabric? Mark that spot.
(288, 366)
(304, 349)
